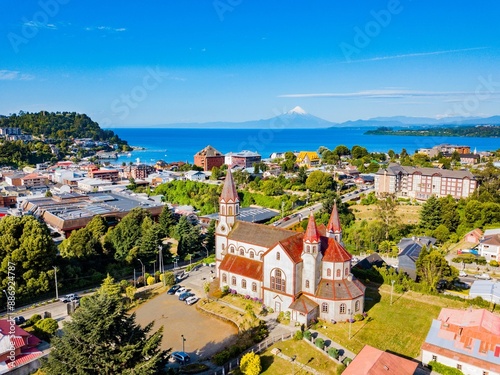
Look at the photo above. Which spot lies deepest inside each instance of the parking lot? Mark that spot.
(204, 335)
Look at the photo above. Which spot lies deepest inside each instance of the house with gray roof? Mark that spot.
(409, 250)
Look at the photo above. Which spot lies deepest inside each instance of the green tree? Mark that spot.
(320, 182)
(441, 233)
(166, 220)
(386, 212)
(432, 267)
(357, 152)
(210, 237)
(473, 212)
(102, 338)
(342, 150)
(272, 187)
(81, 244)
(250, 364)
(45, 328)
(430, 214)
(288, 164)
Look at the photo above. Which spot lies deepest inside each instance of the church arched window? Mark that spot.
(324, 307)
(242, 252)
(223, 209)
(338, 273)
(252, 255)
(233, 280)
(342, 308)
(230, 210)
(346, 272)
(231, 249)
(254, 287)
(329, 272)
(307, 283)
(278, 255)
(244, 284)
(357, 305)
(224, 278)
(308, 249)
(278, 281)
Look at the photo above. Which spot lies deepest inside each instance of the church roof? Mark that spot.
(209, 151)
(293, 246)
(303, 305)
(229, 193)
(312, 233)
(333, 251)
(340, 289)
(250, 268)
(257, 234)
(334, 223)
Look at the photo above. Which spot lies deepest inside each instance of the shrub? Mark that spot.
(347, 361)
(151, 280)
(46, 328)
(479, 302)
(307, 335)
(31, 321)
(493, 263)
(320, 343)
(225, 290)
(169, 278)
(358, 317)
(334, 353)
(250, 364)
(299, 335)
(443, 369)
(340, 369)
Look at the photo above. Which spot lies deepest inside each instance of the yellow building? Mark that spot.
(308, 159)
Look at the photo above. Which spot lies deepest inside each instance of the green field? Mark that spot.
(401, 328)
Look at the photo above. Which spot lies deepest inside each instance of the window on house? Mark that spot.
(244, 284)
(324, 307)
(233, 280)
(230, 210)
(242, 252)
(252, 255)
(459, 366)
(231, 249)
(338, 273)
(254, 287)
(224, 278)
(308, 249)
(342, 308)
(434, 358)
(278, 255)
(329, 272)
(357, 305)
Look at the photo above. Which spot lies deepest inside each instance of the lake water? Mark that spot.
(181, 144)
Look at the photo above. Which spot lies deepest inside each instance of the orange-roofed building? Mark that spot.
(468, 340)
(373, 361)
(17, 346)
(307, 274)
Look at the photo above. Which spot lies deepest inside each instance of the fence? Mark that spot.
(257, 348)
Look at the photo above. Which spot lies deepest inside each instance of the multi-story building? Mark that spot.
(308, 159)
(208, 158)
(105, 174)
(421, 183)
(138, 172)
(489, 245)
(307, 274)
(468, 340)
(244, 159)
(444, 149)
(34, 180)
(10, 131)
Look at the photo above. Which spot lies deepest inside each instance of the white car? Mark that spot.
(191, 300)
(179, 291)
(462, 274)
(483, 276)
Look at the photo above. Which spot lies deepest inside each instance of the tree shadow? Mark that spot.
(266, 361)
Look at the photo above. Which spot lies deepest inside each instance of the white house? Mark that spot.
(468, 340)
(489, 245)
(307, 274)
(195, 176)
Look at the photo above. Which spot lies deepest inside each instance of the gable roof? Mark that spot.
(303, 305)
(370, 261)
(209, 151)
(250, 268)
(293, 246)
(229, 193)
(491, 240)
(311, 155)
(372, 361)
(257, 234)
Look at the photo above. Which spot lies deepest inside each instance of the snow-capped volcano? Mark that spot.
(297, 110)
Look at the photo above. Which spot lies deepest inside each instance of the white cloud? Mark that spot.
(418, 54)
(105, 28)
(369, 94)
(40, 25)
(14, 75)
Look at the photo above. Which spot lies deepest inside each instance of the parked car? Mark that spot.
(462, 274)
(483, 276)
(442, 284)
(181, 357)
(286, 218)
(69, 298)
(19, 320)
(185, 296)
(191, 300)
(179, 291)
(461, 285)
(173, 289)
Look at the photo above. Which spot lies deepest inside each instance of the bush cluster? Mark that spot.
(443, 369)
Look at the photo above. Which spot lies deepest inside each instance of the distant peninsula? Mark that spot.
(480, 131)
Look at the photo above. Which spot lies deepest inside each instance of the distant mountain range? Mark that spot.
(297, 118)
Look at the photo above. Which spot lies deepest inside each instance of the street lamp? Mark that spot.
(183, 340)
(205, 249)
(350, 322)
(154, 269)
(55, 277)
(392, 288)
(142, 264)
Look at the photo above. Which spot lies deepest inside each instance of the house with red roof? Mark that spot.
(468, 340)
(17, 346)
(373, 361)
(307, 274)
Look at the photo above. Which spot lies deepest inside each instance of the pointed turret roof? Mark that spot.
(334, 223)
(312, 233)
(229, 193)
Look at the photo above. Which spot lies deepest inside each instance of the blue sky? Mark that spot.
(161, 62)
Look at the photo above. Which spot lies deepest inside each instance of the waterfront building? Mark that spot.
(208, 158)
(420, 183)
(307, 274)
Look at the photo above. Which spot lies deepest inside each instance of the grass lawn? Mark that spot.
(306, 355)
(243, 320)
(401, 328)
(242, 303)
(407, 214)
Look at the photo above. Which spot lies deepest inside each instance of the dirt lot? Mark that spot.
(204, 335)
(407, 214)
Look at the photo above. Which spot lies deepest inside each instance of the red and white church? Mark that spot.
(307, 274)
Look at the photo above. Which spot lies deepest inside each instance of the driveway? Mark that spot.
(204, 335)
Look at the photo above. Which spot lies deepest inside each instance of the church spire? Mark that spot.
(334, 228)
(229, 193)
(312, 234)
